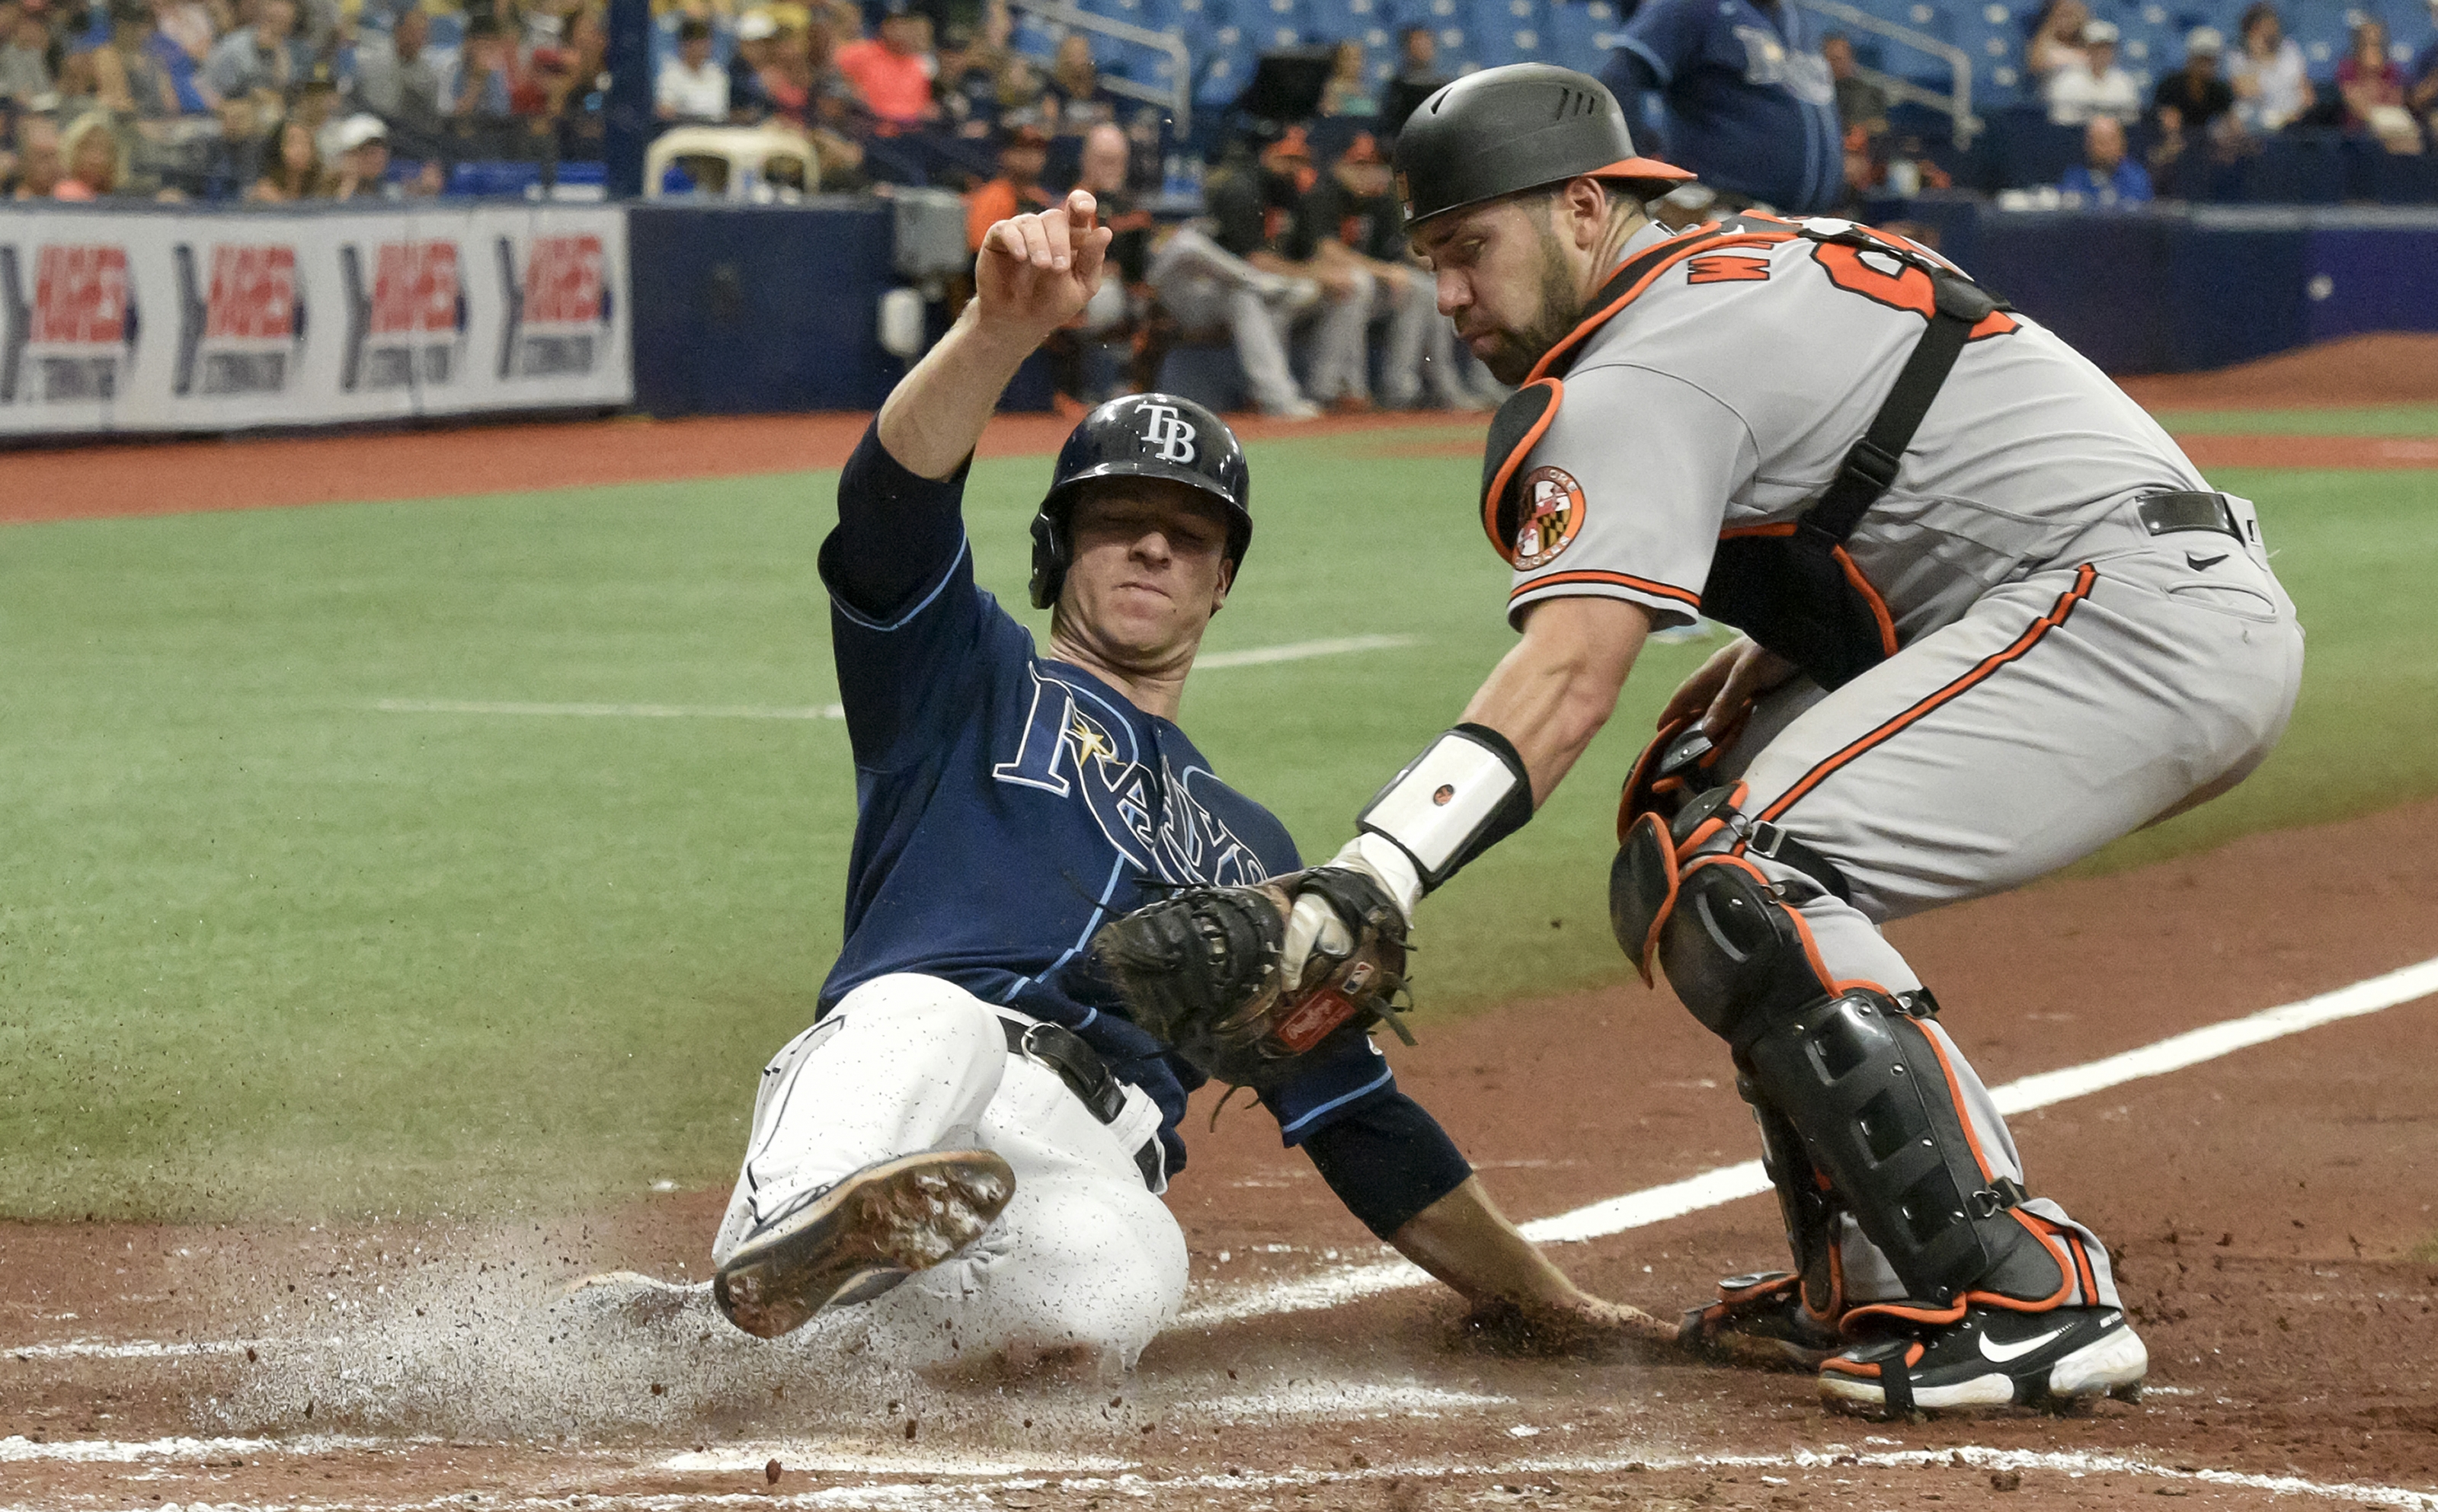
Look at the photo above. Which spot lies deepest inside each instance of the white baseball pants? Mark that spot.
(1084, 1257)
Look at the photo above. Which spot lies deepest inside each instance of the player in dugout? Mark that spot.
(966, 1148)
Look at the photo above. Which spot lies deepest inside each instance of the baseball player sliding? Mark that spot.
(973, 1125)
(1993, 619)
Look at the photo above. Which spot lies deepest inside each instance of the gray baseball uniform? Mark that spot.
(2064, 671)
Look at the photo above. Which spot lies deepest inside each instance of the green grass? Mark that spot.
(2397, 420)
(264, 948)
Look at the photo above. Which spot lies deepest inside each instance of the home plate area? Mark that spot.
(2257, 1160)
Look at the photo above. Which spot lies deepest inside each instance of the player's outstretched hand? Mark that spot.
(1036, 272)
(1720, 691)
(1585, 1325)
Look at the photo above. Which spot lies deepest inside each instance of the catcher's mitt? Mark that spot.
(1202, 972)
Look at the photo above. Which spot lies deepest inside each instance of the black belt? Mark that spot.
(2163, 514)
(1087, 1076)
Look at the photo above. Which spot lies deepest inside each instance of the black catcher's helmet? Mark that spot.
(1503, 130)
(1142, 435)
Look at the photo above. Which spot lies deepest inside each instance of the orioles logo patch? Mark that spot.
(1553, 514)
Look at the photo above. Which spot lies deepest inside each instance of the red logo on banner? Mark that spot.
(254, 291)
(563, 281)
(414, 288)
(81, 295)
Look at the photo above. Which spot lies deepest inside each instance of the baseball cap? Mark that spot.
(757, 26)
(358, 129)
(2096, 32)
(2205, 42)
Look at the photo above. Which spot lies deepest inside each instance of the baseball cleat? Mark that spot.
(851, 1241)
(1992, 1357)
(1759, 1320)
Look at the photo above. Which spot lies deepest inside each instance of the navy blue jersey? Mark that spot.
(1749, 103)
(1008, 805)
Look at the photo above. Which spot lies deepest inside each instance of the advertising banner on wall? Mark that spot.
(165, 319)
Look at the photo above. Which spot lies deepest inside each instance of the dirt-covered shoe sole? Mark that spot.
(862, 1237)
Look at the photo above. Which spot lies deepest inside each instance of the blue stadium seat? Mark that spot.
(1580, 33)
(1223, 70)
(1271, 23)
(1505, 31)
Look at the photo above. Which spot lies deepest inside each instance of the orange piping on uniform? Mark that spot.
(1695, 244)
(2083, 579)
(1506, 470)
(1664, 591)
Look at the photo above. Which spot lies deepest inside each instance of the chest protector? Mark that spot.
(1790, 585)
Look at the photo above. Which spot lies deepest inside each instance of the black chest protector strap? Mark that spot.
(1791, 587)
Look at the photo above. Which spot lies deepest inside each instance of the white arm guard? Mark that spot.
(1467, 791)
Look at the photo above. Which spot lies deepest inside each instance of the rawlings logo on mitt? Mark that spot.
(1203, 972)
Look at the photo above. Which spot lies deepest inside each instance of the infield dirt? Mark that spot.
(2270, 1214)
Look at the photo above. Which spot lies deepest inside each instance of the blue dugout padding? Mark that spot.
(743, 310)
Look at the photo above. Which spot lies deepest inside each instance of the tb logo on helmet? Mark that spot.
(1168, 431)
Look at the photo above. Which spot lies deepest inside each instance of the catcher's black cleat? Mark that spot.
(852, 1242)
(1992, 1357)
(1760, 1320)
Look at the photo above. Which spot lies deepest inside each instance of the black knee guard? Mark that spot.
(1859, 1083)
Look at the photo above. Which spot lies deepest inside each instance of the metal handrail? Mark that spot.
(1957, 106)
(1178, 98)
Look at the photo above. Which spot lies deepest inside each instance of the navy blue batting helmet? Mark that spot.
(1142, 435)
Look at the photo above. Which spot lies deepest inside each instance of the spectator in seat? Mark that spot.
(2421, 78)
(2271, 84)
(1202, 279)
(2372, 88)
(746, 102)
(1418, 56)
(692, 86)
(1751, 107)
(1114, 307)
(1361, 227)
(486, 73)
(40, 160)
(25, 58)
(361, 170)
(96, 159)
(131, 82)
(2057, 41)
(2106, 177)
(2095, 86)
(2195, 97)
(291, 168)
(1078, 99)
(1859, 102)
(892, 73)
(1023, 150)
(966, 86)
(179, 49)
(1347, 91)
(396, 80)
(262, 60)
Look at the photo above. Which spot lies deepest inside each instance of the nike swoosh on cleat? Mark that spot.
(2001, 1353)
(2197, 562)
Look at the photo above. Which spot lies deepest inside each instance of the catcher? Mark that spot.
(1993, 619)
(973, 1125)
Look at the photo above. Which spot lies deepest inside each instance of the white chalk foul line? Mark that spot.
(473, 706)
(1727, 1184)
(1251, 656)
(1302, 651)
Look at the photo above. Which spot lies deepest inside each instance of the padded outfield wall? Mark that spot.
(157, 319)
